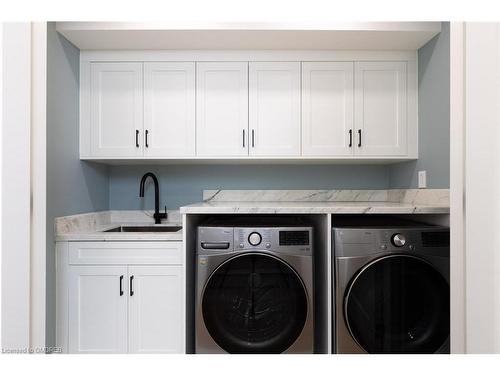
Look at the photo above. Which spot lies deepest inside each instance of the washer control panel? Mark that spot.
(354, 241)
(289, 240)
(297, 240)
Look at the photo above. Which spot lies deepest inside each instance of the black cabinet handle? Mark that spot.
(243, 138)
(350, 137)
(359, 139)
(136, 138)
(253, 138)
(121, 285)
(131, 285)
(147, 132)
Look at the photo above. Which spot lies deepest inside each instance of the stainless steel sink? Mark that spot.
(145, 228)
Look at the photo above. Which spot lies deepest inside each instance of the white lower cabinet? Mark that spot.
(97, 321)
(133, 307)
(154, 315)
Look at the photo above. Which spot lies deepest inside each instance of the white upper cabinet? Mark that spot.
(274, 108)
(169, 109)
(323, 105)
(222, 109)
(116, 109)
(97, 313)
(327, 108)
(155, 309)
(380, 108)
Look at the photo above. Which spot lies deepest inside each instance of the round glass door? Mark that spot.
(254, 303)
(398, 304)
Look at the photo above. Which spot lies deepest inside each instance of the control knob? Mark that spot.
(398, 240)
(254, 238)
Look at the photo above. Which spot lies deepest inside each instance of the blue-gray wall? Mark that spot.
(72, 186)
(183, 184)
(434, 117)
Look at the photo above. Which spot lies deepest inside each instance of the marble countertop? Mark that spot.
(312, 208)
(92, 226)
(392, 201)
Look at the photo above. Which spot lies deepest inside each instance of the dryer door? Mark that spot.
(254, 303)
(398, 304)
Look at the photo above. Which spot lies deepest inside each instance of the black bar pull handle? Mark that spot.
(253, 138)
(147, 144)
(243, 138)
(136, 138)
(132, 285)
(359, 137)
(121, 285)
(350, 137)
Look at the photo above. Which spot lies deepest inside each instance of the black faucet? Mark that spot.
(157, 214)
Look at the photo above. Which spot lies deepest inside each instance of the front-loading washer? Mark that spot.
(391, 287)
(254, 289)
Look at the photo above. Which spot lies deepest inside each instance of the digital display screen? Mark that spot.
(294, 238)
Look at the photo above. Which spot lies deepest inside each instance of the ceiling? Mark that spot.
(255, 36)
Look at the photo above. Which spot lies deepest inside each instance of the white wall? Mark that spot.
(482, 187)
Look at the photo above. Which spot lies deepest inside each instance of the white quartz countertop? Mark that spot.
(312, 208)
(93, 226)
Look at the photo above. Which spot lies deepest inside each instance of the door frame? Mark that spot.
(24, 55)
(457, 190)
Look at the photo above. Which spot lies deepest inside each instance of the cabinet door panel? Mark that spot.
(116, 109)
(169, 109)
(97, 311)
(327, 108)
(274, 108)
(156, 322)
(381, 108)
(222, 109)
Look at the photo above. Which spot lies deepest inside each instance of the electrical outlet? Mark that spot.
(422, 179)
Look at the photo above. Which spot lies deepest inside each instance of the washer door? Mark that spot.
(398, 304)
(254, 303)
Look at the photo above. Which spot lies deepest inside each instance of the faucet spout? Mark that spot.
(157, 216)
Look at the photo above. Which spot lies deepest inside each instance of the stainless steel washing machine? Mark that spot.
(392, 291)
(254, 289)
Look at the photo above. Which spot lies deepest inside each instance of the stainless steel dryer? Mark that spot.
(391, 287)
(254, 289)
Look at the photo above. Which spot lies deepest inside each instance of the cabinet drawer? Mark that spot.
(125, 252)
